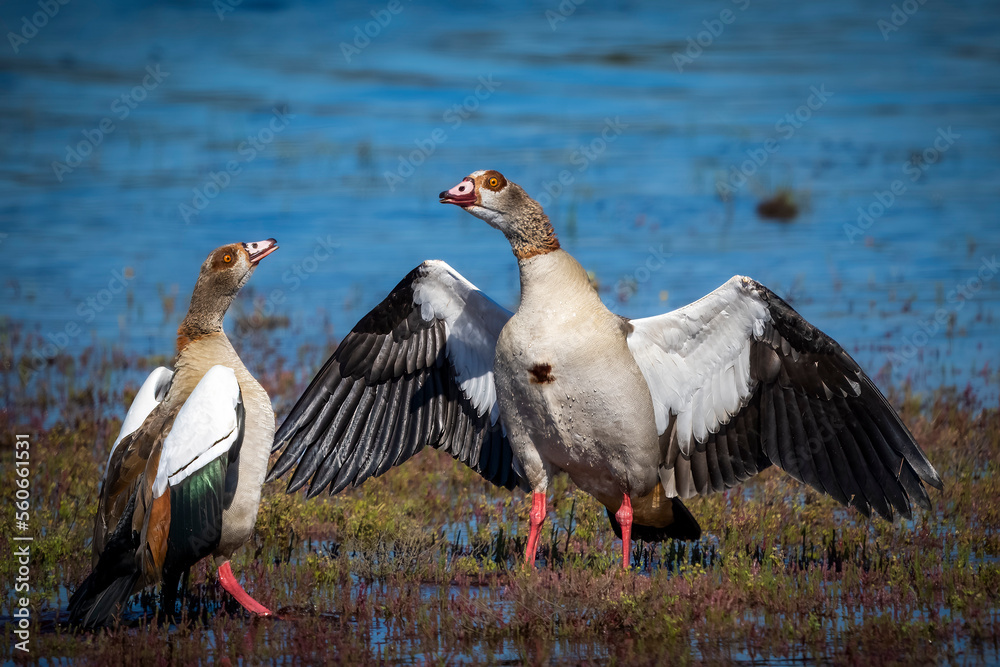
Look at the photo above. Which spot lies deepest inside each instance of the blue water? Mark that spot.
(457, 87)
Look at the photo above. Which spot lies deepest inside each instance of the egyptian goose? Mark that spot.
(184, 476)
(639, 413)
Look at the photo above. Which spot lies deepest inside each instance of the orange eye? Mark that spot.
(227, 258)
(494, 182)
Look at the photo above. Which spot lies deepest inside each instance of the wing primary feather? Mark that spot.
(508, 478)
(435, 348)
(312, 432)
(886, 462)
(682, 477)
(699, 472)
(351, 473)
(724, 457)
(382, 433)
(380, 366)
(438, 400)
(824, 447)
(800, 445)
(400, 362)
(354, 357)
(491, 452)
(419, 350)
(917, 492)
(459, 433)
(869, 496)
(750, 442)
(421, 406)
(338, 469)
(712, 463)
(470, 446)
(400, 426)
(319, 454)
(842, 451)
(735, 435)
(784, 443)
(769, 425)
(897, 434)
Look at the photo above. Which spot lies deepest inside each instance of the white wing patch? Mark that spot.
(151, 394)
(696, 359)
(472, 323)
(205, 428)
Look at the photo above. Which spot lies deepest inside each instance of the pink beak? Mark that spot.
(463, 194)
(258, 250)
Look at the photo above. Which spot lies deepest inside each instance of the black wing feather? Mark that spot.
(386, 392)
(814, 413)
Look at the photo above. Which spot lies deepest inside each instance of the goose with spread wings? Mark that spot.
(184, 476)
(641, 414)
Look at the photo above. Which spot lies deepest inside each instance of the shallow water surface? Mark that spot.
(259, 125)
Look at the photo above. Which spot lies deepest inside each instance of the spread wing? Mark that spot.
(739, 381)
(416, 371)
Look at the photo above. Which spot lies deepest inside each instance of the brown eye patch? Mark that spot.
(223, 259)
(494, 180)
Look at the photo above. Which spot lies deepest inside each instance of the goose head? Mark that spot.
(226, 270)
(503, 204)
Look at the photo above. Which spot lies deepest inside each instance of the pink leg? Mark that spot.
(624, 516)
(535, 518)
(232, 586)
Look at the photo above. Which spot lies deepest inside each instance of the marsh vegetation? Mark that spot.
(423, 565)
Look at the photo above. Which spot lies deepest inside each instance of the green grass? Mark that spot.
(423, 564)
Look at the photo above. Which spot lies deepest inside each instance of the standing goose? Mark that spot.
(184, 476)
(639, 413)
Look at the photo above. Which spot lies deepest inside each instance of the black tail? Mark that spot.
(683, 527)
(95, 601)
(111, 583)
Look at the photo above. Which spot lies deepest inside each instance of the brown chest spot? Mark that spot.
(541, 374)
